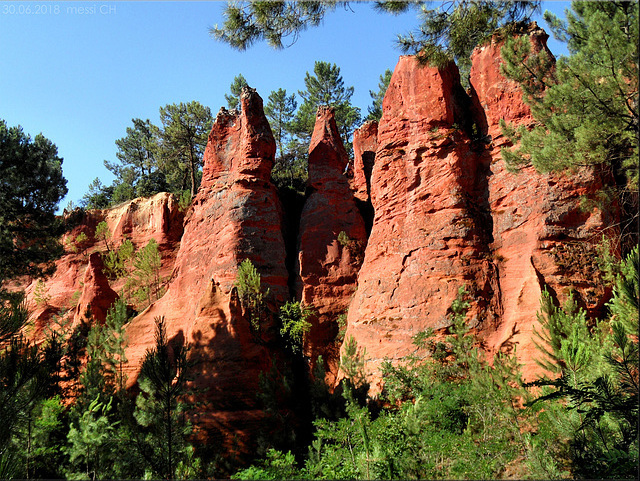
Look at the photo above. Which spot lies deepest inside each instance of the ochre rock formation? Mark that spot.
(235, 215)
(331, 240)
(97, 295)
(143, 219)
(542, 236)
(365, 145)
(448, 213)
(78, 278)
(427, 238)
(441, 207)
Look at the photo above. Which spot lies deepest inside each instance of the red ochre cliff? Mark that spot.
(331, 240)
(431, 207)
(448, 213)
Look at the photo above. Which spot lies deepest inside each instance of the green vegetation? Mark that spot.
(184, 134)
(326, 87)
(32, 186)
(294, 325)
(154, 159)
(145, 280)
(233, 99)
(448, 31)
(159, 408)
(586, 104)
(375, 110)
(290, 168)
(252, 297)
(446, 411)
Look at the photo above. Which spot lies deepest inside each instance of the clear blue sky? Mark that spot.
(80, 71)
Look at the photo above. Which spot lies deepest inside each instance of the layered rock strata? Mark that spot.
(235, 216)
(332, 238)
(448, 213)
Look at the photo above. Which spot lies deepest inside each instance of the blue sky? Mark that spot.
(80, 71)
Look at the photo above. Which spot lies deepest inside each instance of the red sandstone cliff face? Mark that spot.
(448, 213)
(331, 240)
(97, 295)
(79, 281)
(235, 215)
(426, 239)
(542, 238)
(365, 145)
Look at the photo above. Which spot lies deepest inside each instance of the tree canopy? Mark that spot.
(586, 104)
(448, 31)
(31, 186)
(184, 137)
(233, 99)
(154, 159)
(326, 87)
(375, 110)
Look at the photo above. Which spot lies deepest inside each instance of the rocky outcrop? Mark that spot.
(142, 219)
(97, 295)
(448, 213)
(365, 145)
(235, 216)
(542, 238)
(331, 240)
(427, 239)
(441, 211)
(79, 280)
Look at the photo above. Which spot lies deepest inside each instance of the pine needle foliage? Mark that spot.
(159, 407)
(586, 104)
(273, 21)
(601, 403)
(233, 98)
(252, 297)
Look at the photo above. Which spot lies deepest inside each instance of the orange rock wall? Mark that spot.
(331, 240)
(447, 213)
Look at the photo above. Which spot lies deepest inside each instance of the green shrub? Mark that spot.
(251, 295)
(294, 325)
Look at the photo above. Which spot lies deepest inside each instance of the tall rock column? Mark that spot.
(542, 236)
(235, 215)
(365, 145)
(331, 240)
(426, 240)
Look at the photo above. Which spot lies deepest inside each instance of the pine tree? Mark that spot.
(271, 21)
(586, 104)
(598, 382)
(450, 31)
(159, 409)
(375, 110)
(92, 442)
(23, 380)
(145, 278)
(252, 297)
(233, 99)
(137, 171)
(32, 186)
(184, 138)
(280, 110)
(137, 149)
(99, 196)
(326, 87)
